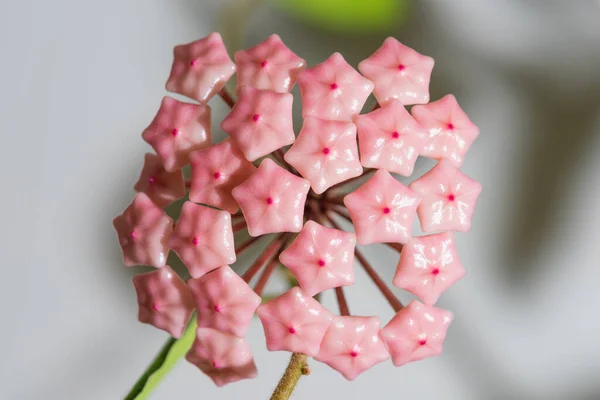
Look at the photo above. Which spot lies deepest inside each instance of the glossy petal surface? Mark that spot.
(163, 187)
(294, 322)
(416, 332)
(449, 198)
(398, 72)
(450, 131)
(164, 300)
(272, 199)
(352, 345)
(382, 210)
(143, 230)
(389, 138)
(333, 90)
(325, 153)
(321, 258)
(203, 238)
(215, 172)
(260, 122)
(428, 266)
(178, 129)
(224, 301)
(201, 68)
(270, 65)
(224, 358)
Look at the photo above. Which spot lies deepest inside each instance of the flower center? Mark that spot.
(151, 179)
(256, 117)
(450, 126)
(269, 200)
(451, 197)
(401, 67)
(156, 306)
(195, 240)
(133, 234)
(175, 132)
(264, 64)
(354, 353)
(321, 263)
(292, 330)
(217, 308)
(435, 271)
(217, 175)
(326, 150)
(334, 86)
(193, 62)
(395, 135)
(423, 342)
(386, 210)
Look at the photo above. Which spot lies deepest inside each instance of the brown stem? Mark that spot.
(239, 226)
(265, 257)
(341, 299)
(341, 213)
(227, 98)
(188, 183)
(336, 200)
(341, 184)
(390, 297)
(246, 245)
(295, 369)
(396, 246)
(264, 278)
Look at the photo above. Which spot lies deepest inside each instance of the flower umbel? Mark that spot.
(263, 181)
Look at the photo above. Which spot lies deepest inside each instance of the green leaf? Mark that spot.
(172, 351)
(349, 16)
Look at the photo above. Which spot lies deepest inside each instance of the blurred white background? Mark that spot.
(80, 80)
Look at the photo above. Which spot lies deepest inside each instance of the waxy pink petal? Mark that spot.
(398, 72)
(428, 266)
(224, 358)
(352, 345)
(333, 90)
(270, 65)
(325, 153)
(382, 210)
(215, 172)
(417, 331)
(321, 258)
(203, 238)
(389, 138)
(294, 322)
(144, 230)
(177, 130)
(201, 68)
(450, 132)
(224, 301)
(449, 198)
(164, 300)
(163, 187)
(260, 122)
(272, 199)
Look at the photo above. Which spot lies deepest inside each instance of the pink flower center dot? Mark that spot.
(422, 342)
(354, 353)
(193, 62)
(156, 306)
(269, 200)
(255, 117)
(195, 240)
(326, 150)
(450, 127)
(151, 179)
(395, 135)
(263, 64)
(401, 67)
(435, 271)
(292, 330)
(386, 210)
(451, 197)
(133, 234)
(321, 263)
(175, 132)
(217, 175)
(217, 308)
(334, 86)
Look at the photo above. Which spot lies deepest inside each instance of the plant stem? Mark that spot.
(387, 293)
(295, 369)
(227, 98)
(341, 299)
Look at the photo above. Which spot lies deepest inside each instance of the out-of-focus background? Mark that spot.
(81, 79)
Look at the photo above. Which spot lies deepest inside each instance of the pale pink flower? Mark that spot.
(201, 68)
(203, 239)
(223, 358)
(382, 210)
(294, 322)
(450, 132)
(352, 345)
(144, 230)
(416, 332)
(272, 199)
(428, 266)
(333, 90)
(398, 72)
(164, 300)
(224, 301)
(270, 65)
(448, 198)
(321, 258)
(177, 130)
(163, 187)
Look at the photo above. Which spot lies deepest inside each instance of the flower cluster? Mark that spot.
(294, 190)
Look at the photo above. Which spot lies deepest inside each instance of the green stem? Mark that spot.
(295, 369)
(165, 360)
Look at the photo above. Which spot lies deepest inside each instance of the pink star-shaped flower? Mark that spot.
(333, 90)
(163, 187)
(321, 258)
(178, 129)
(224, 358)
(450, 132)
(143, 230)
(294, 322)
(325, 153)
(416, 332)
(224, 301)
(352, 345)
(164, 300)
(382, 210)
(215, 172)
(272, 199)
(390, 138)
(428, 266)
(270, 65)
(260, 122)
(449, 198)
(201, 68)
(398, 72)
(203, 238)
